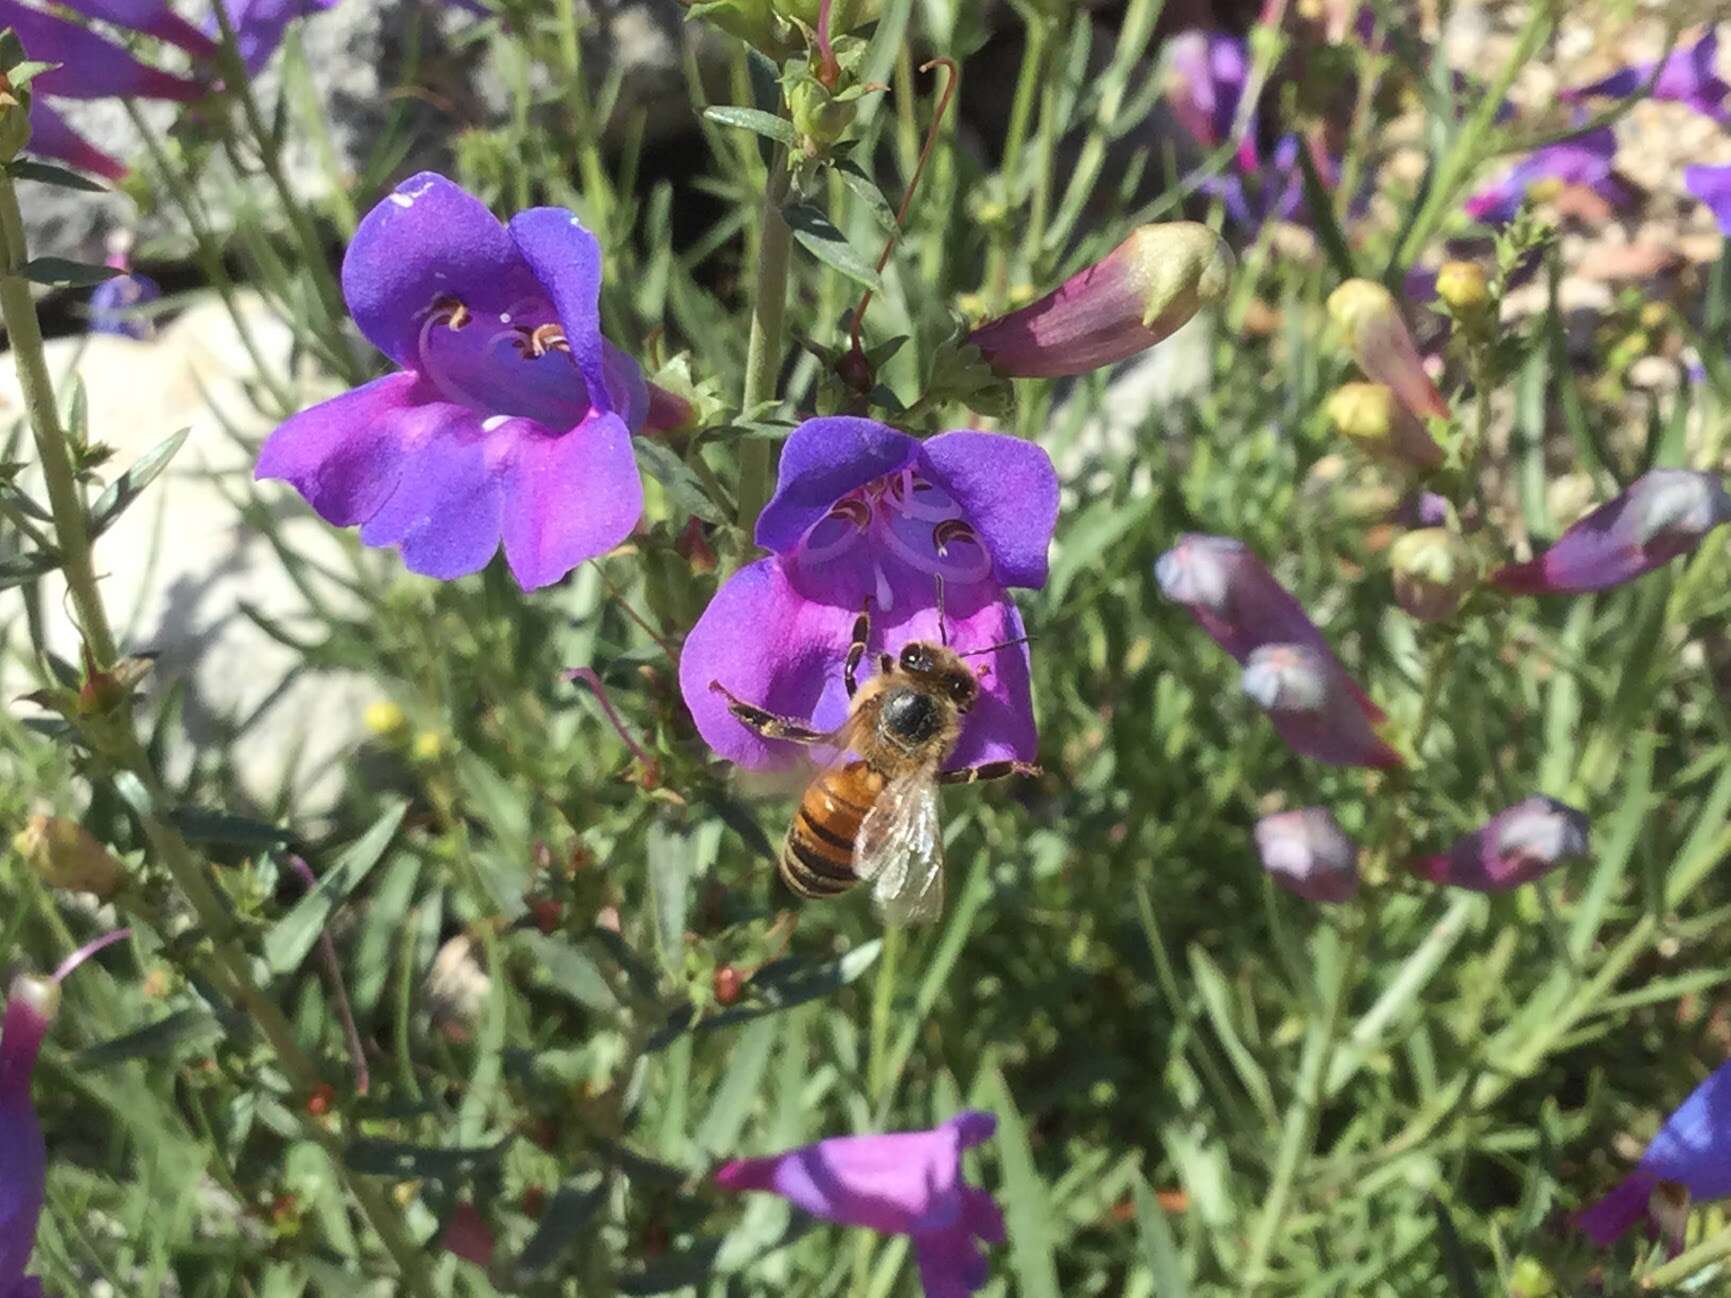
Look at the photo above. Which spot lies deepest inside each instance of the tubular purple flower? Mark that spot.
(1383, 346)
(1517, 845)
(1663, 513)
(1692, 1152)
(31, 1007)
(1315, 707)
(92, 67)
(1689, 76)
(1308, 853)
(1238, 602)
(1583, 159)
(1139, 294)
(863, 512)
(904, 1183)
(114, 306)
(510, 421)
(1712, 186)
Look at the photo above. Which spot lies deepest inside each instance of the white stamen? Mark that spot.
(885, 595)
(493, 421)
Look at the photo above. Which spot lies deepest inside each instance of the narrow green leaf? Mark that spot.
(1709, 840)
(16, 569)
(398, 1159)
(757, 122)
(58, 272)
(1217, 1000)
(291, 937)
(1158, 1246)
(740, 1089)
(48, 174)
(128, 486)
(1027, 1207)
(166, 1037)
(682, 484)
(864, 188)
(567, 1213)
(202, 825)
(1456, 1265)
(817, 234)
(669, 859)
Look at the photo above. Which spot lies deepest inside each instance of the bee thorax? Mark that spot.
(910, 718)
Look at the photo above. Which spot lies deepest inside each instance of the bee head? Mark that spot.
(942, 670)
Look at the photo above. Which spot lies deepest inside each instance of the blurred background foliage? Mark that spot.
(567, 967)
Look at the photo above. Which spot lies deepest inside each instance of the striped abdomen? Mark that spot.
(817, 858)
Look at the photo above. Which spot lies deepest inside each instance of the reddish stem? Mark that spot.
(590, 677)
(828, 70)
(334, 972)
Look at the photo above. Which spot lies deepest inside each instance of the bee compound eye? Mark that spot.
(914, 659)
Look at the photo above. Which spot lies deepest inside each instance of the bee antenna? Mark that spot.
(993, 648)
(943, 626)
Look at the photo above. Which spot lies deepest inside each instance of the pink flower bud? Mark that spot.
(1517, 845)
(1308, 853)
(1383, 346)
(1663, 514)
(1142, 292)
(1315, 706)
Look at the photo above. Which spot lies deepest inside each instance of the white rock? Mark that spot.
(177, 566)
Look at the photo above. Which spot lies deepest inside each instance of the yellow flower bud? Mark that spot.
(430, 746)
(1383, 347)
(66, 856)
(1463, 287)
(1368, 414)
(385, 720)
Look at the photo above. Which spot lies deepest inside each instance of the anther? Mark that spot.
(452, 310)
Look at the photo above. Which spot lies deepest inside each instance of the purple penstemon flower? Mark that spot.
(92, 67)
(863, 513)
(1689, 76)
(1584, 159)
(1290, 670)
(511, 418)
(903, 1183)
(1517, 845)
(259, 25)
(31, 1006)
(1662, 514)
(1689, 1160)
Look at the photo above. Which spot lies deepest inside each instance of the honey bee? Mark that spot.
(873, 816)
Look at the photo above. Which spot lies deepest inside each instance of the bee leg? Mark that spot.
(988, 771)
(765, 723)
(862, 629)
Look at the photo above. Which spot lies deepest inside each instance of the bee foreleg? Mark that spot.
(988, 771)
(766, 723)
(862, 629)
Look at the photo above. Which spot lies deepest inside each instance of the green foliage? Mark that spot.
(572, 986)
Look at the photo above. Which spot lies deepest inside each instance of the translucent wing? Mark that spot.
(900, 848)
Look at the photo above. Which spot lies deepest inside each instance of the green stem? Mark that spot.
(597, 190)
(1298, 1134)
(70, 528)
(763, 349)
(1697, 1259)
(231, 970)
(330, 294)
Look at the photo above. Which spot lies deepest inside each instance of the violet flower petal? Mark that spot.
(346, 455)
(1008, 490)
(259, 25)
(821, 462)
(52, 136)
(429, 239)
(1689, 76)
(569, 497)
(1662, 514)
(114, 304)
(153, 18)
(1205, 77)
(445, 513)
(1315, 707)
(23, 1158)
(760, 606)
(1583, 159)
(1307, 853)
(1712, 185)
(93, 67)
(566, 259)
(1693, 1148)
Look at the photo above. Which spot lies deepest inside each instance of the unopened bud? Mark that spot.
(1531, 1279)
(1433, 572)
(817, 115)
(385, 720)
(1142, 292)
(1307, 853)
(727, 985)
(66, 856)
(1382, 345)
(844, 15)
(1368, 414)
(429, 746)
(1463, 288)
